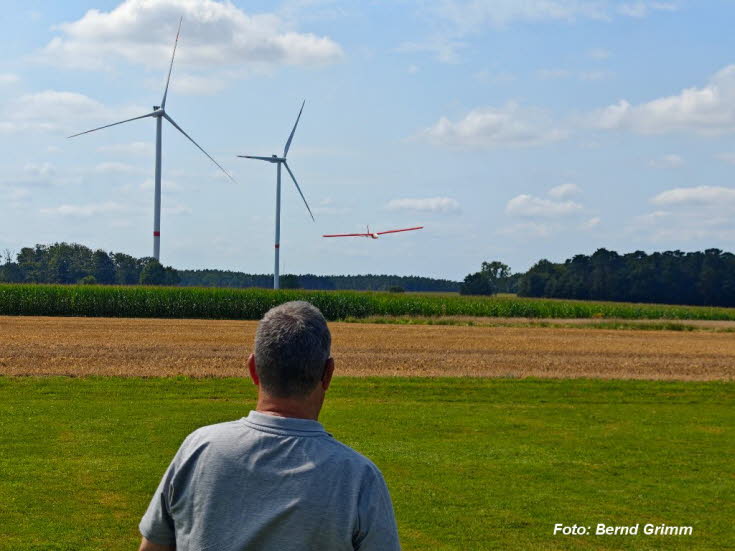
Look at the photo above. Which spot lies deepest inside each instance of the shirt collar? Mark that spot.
(284, 423)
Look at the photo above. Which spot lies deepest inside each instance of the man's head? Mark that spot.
(292, 346)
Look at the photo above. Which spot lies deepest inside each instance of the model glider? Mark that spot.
(373, 235)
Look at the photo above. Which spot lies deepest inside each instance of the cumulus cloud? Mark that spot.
(429, 204)
(726, 157)
(702, 225)
(528, 230)
(88, 210)
(8, 78)
(552, 74)
(214, 34)
(642, 9)
(471, 15)
(444, 49)
(490, 127)
(666, 161)
(591, 223)
(713, 196)
(530, 206)
(134, 148)
(706, 110)
(113, 167)
(598, 53)
(592, 76)
(53, 111)
(193, 85)
(106, 208)
(564, 190)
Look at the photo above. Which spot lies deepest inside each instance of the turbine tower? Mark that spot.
(159, 113)
(282, 161)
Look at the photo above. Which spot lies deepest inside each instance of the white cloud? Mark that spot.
(490, 127)
(707, 110)
(531, 207)
(193, 85)
(685, 224)
(176, 210)
(564, 190)
(8, 78)
(596, 75)
(552, 74)
(429, 204)
(598, 53)
(712, 196)
(642, 9)
(487, 77)
(214, 34)
(109, 208)
(53, 111)
(112, 167)
(445, 50)
(726, 157)
(88, 210)
(134, 148)
(667, 161)
(39, 171)
(469, 15)
(412, 69)
(528, 230)
(591, 223)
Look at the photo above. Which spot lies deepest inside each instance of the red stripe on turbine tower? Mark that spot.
(156, 234)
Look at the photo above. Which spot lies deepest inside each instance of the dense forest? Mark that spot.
(74, 263)
(671, 277)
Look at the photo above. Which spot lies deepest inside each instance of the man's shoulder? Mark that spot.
(354, 457)
(212, 433)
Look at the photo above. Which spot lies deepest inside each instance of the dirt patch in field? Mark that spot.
(154, 347)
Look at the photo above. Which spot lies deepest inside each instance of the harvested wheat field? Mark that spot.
(155, 347)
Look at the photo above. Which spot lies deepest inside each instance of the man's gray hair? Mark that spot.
(291, 349)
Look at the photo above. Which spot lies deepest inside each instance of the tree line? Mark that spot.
(68, 263)
(671, 277)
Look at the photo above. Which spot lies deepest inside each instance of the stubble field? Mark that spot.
(217, 348)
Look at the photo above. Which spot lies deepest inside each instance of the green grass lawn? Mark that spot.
(471, 463)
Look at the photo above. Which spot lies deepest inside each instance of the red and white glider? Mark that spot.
(373, 235)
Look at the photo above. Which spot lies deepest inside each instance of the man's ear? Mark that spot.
(328, 372)
(252, 370)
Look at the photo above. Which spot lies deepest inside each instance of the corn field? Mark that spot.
(244, 304)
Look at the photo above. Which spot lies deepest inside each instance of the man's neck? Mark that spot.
(286, 407)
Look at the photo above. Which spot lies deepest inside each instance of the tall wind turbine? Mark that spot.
(159, 113)
(282, 161)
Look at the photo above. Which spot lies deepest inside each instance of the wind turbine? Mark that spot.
(159, 113)
(282, 161)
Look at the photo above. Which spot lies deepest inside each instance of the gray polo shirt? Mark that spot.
(270, 483)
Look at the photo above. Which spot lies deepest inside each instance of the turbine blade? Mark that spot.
(288, 143)
(299, 189)
(169, 119)
(170, 68)
(269, 159)
(113, 124)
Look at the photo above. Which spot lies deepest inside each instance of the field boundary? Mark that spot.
(251, 304)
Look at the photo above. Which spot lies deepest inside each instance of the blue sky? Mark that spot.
(512, 130)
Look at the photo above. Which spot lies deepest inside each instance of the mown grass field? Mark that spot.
(212, 303)
(471, 463)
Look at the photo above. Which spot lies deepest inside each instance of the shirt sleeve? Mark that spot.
(377, 522)
(157, 524)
